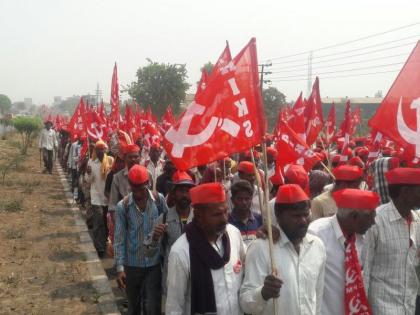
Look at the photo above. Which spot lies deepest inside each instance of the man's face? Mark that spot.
(182, 196)
(169, 168)
(100, 153)
(242, 201)
(249, 177)
(363, 220)
(154, 154)
(214, 218)
(132, 159)
(413, 196)
(140, 192)
(48, 125)
(294, 222)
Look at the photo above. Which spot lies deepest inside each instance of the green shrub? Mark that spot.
(27, 127)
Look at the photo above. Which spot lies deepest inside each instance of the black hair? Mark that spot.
(280, 207)
(241, 185)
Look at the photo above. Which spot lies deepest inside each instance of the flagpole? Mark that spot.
(264, 208)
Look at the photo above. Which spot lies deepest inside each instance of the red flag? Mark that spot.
(152, 134)
(58, 125)
(76, 124)
(167, 119)
(227, 117)
(375, 149)
(315, 121)
(95, 126)
(330, 125)
(398, 116)
(293, 150)
(115, 100)
(297, 123)
(345, 130)
(356, 117)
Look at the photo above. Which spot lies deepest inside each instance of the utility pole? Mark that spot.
(309, 86)
(98, 94)
(262, 73)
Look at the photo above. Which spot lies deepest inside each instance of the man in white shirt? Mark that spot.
(47, 144)
(299, 258)
(391, 251)
(355, 215)
(98, 167)
(154, 163)
(205, 263)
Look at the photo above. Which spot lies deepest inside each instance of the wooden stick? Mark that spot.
(265, 208)
(328, 170)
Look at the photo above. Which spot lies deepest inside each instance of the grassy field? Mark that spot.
(42, 270)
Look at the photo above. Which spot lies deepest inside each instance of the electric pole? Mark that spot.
(262, 73)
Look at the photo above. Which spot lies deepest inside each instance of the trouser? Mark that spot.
(47, 155)
(73, 178)
(99, 228)
(143, 289)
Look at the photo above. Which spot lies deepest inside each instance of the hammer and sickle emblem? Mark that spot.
(181, 139)
(409, 135)
(94, 132)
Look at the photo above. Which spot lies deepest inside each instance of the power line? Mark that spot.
(346, 70)
(340, 76)
(347, 42)
(344, 52)
(284, 69)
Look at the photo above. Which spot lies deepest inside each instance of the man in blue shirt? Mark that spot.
(138, 267)
(241, 216)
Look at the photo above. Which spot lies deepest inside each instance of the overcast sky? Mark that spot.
(64, 47)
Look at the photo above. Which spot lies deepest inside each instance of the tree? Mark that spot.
(273, 101)
(159, 85)
(208, 67)
(5, 103)
(27, 127)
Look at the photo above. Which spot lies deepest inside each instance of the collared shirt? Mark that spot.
(330, 233)
(155, 171)
(302, 274)
(323, 206)
(255, 205)
(226, 280)
(47, 139)
(173, 231)
(249, 228)
(74, 155)
(390, 257)
(133, 228)
(97, 183)
(120, 188)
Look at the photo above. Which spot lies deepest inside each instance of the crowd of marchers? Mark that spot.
(345, 240)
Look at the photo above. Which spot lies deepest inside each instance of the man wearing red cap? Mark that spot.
(246, 172)
(120, 186)
(391, 252)
(47, 144)
(346, 176)
(342, 235)
(138, 267)
(170, 226)
(205, 263)
(299, 259)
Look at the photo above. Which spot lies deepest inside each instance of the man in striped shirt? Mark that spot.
(138, 268)
(391, 251)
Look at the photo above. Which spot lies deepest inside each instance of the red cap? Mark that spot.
(138, 175)
(130, 148)
(362, 152)
(357, 161)
(356, 199)
(182, 178)
(403, 176)
(347, 173)
(336, 159)
(277, 179)
(247, 154)
(291, 193)
(271, 151)
(207, 193)
(296, 174)
(246, 167)
(386, 151)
